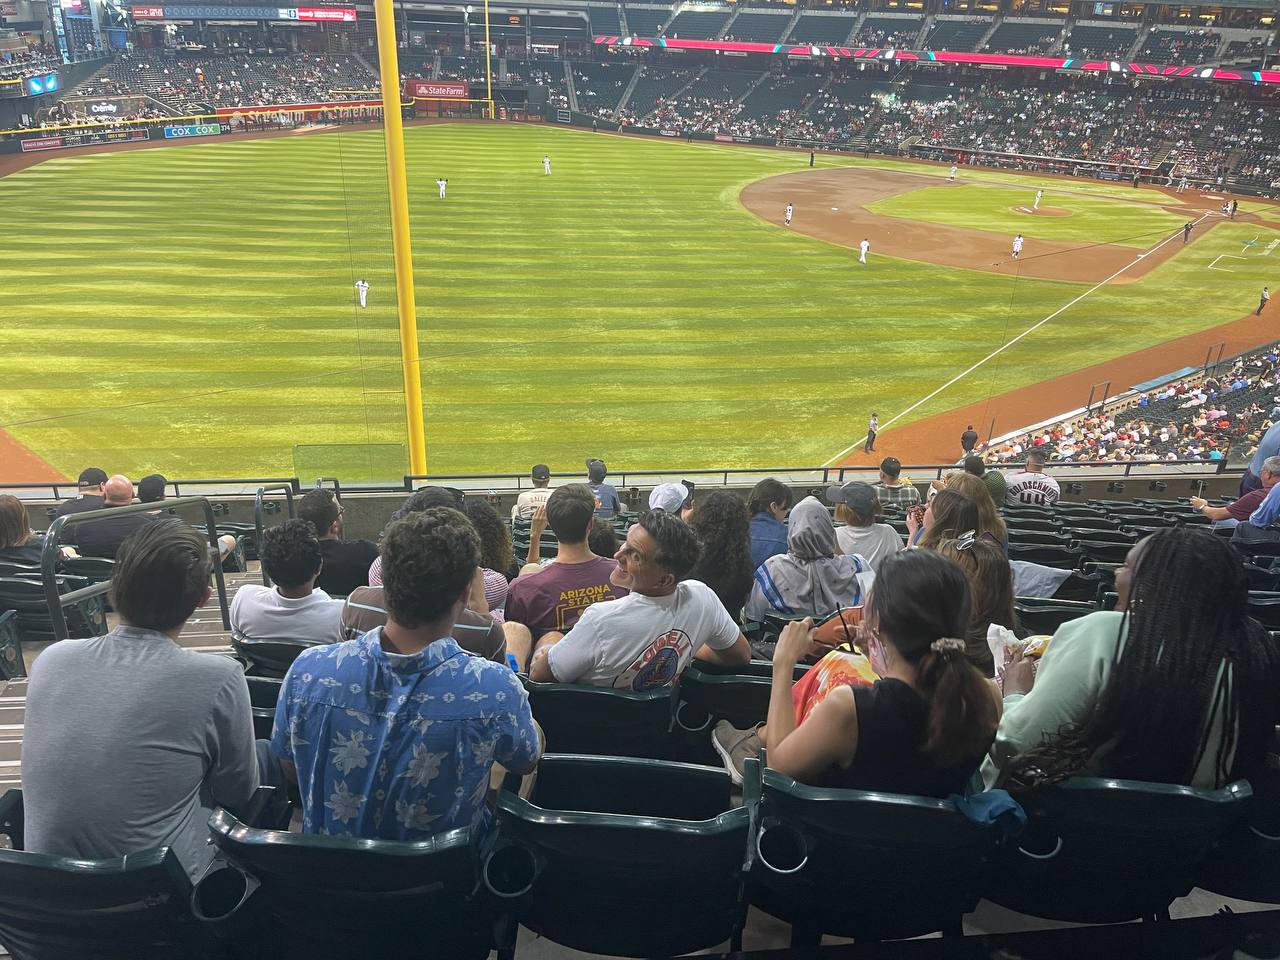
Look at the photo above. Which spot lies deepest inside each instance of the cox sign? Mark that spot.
(193, 130)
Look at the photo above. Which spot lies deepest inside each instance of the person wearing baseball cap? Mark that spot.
(857, 506)
(675, 498)
(527, 503)
(89, 493)
(607, 501)
(891, 489)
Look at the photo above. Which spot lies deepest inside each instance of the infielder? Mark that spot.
(1017, 246)
(1182, 185)
(362, 291)
(443, 185)
(863, 247)
(952, 175)
(790, 210)
(1036, 205)
(1186, 231)
(546, 166)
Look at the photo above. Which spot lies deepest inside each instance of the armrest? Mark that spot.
(11, 817)
(267, 809)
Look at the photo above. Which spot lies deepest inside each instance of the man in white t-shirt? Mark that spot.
(646, 639)
(293, 609)
(1032, 486)
(527, 503)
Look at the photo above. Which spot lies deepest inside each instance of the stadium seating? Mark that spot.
(697, 24)
(306, 896)
(956, 34)
(11, 662)
(600, 86)
(646, 21)
(758, 27)
(652, 86)
(1180, 46)
(85, 618)
(1024, 37)
(807, 841)
(828, 29)
(884, 32)
(268, 658)
(598, 832)
(1088, 40)
(604, 21)
(1106, 851)
(59, 908)
(603, 722)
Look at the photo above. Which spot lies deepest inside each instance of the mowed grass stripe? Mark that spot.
(626, 306)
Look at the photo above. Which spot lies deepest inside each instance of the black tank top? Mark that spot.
(893, 725)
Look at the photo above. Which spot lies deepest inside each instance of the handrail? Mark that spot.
(257, 518)
(49, 559)
(337, 486)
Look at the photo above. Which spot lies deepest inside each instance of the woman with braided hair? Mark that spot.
(925, 725)
(1176, 685)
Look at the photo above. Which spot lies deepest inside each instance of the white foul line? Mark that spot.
(999, 350)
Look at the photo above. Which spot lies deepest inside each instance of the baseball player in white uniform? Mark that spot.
(443, 185)
(1036, 205)
(1017, 246)
(362, 291)
(546, 166)
(863, 247)
(1182, 185)
(790, 210)
(952, 174)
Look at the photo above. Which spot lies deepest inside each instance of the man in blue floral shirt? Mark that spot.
(392, 735)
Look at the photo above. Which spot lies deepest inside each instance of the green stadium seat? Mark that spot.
(1027, 538)
(1266, 611)
(1099, 551)
(1064, 558)
(1032, 525)
(85, 618)
(126, 908)
(1079, 586)
(621, 856)
(11, 663)
(1246, 864)
(268, 658)
(263, 694)
(11, 568)
(710, 693)
(853, 863)
(1108, 851)
(93, 569)
(599, 721)
(1101, 536)
(1046, 616)
(299, 896)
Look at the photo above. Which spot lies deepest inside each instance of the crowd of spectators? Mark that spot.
(22, 63)
(1208, 418)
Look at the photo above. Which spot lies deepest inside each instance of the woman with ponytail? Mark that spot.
(1176, 685)
(925, 725)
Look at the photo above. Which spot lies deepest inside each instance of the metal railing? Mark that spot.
(258, 510)
(49, 559)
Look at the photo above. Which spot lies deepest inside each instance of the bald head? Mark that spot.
(118, 491)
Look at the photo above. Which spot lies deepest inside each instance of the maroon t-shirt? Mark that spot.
(555, 596)
(1241, 508)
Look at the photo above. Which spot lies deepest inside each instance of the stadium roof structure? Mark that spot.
(997, 60)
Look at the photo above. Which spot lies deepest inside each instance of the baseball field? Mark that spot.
(192, 309)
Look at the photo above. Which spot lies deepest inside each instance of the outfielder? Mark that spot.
(362, 291)
(863, 247)
(546, 166)
(442, 184)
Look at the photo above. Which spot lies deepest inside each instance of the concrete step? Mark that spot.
(10, 751)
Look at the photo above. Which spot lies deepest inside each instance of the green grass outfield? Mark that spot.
(191, 309)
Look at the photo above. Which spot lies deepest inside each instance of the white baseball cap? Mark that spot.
(669, 497)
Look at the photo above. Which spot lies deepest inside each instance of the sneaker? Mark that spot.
(735, 746)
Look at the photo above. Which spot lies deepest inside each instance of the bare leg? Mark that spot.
(519, 643)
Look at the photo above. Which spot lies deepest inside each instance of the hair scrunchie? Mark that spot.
(948, 647)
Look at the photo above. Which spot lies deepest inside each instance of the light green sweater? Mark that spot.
(1071, 677)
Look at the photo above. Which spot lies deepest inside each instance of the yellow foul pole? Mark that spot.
(488, 67)
(398, 189)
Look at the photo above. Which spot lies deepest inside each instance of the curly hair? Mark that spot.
(723, 528)
(678, 548)
(291, 553)
(495, 538)
(425, 498)
(428, 561)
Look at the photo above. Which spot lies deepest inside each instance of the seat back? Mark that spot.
(85, 618)
(862, 864)
(58, 908)
(269, 658)
(1105, 851)
(312, 896)
(706, 697)
(622, 856)
(1064, 558)
(94, 569)
(1079, 586)
(599, 721)
(1097, 551)
(11, 663)
(263, 694)
(1046, 616)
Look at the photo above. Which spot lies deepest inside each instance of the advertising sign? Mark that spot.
(36, 144)
(193, 130)
(9, 8)
(437, 90)
(187, 11)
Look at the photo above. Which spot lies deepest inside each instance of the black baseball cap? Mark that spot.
(151, 488)
(856, 494)
(540, 471)
(891, 466)
(92, 477)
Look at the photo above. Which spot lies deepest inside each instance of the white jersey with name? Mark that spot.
(1031, 489)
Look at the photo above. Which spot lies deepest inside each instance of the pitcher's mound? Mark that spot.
(1043, 211)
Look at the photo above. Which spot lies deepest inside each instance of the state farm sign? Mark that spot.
(430, 90)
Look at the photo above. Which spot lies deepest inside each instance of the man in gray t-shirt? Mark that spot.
(130, 740)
